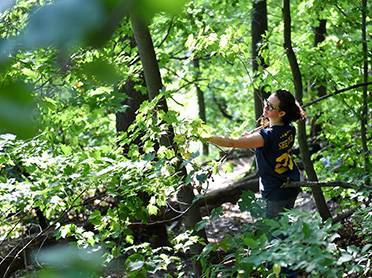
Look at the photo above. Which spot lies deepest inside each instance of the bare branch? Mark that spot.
(342, 184)
(336, 93)
(167, 34)
(41, 233)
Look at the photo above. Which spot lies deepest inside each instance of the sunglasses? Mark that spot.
(270, 107)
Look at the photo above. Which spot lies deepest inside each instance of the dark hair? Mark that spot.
(288, 104)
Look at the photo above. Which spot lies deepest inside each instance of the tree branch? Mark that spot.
(313, 184)
(336, 93)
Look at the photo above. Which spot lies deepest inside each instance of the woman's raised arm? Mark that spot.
(244, 142)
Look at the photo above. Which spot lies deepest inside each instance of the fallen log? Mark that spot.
(210, 200)
(230, 193)
(323, 184)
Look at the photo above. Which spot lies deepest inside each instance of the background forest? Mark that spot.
(104, 109)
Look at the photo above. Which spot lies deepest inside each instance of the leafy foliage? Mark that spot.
(63, 65)
(298, 240)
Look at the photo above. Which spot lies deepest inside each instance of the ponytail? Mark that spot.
(288, 104)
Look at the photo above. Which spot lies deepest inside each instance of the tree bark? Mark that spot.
(230, 193)
(258, 28)
(364, 119)
(154, 84)
(302, 140)
(201, 100)
(132, 102)
(314, 184)
(319, 36)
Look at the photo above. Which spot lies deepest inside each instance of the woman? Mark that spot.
(273, 146)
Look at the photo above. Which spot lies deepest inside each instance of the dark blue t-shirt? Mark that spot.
(275, 164)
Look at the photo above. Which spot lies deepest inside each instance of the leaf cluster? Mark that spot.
(299, 241)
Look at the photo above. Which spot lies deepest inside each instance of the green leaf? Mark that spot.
(147, 8)
(102, 71)
(247, 199)
(228, 167)
(194, 155)
(95, 217)
(153, 210)
(16, 110)
(208, 248)
(306, 229)
(276, 269)
(202, 177)
(129, 239)
(216, 213)
(366, 247)
(345, 257)
(66, 149)
(224, 245)
(200, 225)
(135, 258)
(250, 242)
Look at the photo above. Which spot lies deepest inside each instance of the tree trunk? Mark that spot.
(258, 28)
(157, 234)
(154, 84)
(302, 140)
(201, 100)
(133, 102)
(364, 119)
(319, 36)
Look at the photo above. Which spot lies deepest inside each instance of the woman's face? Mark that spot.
(272, 106)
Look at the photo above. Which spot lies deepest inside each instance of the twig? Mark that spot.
(167, 34)
(37, 236)
(348, 213)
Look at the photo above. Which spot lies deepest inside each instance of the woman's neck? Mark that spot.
(277, 121)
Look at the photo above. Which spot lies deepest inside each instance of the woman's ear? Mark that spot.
(281, 114)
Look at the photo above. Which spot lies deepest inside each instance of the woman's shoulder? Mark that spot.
(289, 126)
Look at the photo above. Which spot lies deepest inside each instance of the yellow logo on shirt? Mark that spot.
(284, 164)
(284, 144)
(285, 161)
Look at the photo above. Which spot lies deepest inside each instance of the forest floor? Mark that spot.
(233, 218)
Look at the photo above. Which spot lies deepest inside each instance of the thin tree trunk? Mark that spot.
(364, 122)
(201, 100)
(258, 28)
(319, 36)
(154, 84)
(302, 140)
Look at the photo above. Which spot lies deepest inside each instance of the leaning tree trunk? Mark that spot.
(154, 84)
(258, 28)
(302, 140)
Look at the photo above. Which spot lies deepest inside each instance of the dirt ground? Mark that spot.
(233, 219)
